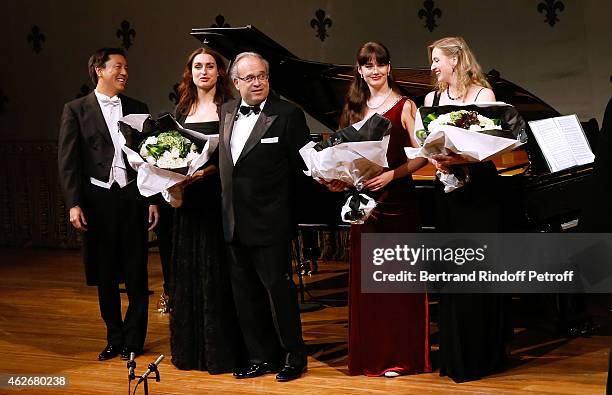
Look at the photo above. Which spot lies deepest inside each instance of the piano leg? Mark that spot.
(302, 267)
(310, 249)
(574, 319)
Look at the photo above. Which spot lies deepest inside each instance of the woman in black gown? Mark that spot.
(204, 332)
(474, 329)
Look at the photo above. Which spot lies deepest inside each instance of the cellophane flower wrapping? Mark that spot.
(352, 155)
(477, 131)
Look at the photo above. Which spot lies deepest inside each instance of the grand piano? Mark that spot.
(544, 201)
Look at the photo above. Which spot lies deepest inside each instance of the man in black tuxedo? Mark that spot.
(104, 202)
(260, 136)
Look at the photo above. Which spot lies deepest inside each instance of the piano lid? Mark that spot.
(319, 88)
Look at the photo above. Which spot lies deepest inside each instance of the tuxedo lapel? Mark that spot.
(228, 126)
(126, 109)
(261, 127)
(93, 107)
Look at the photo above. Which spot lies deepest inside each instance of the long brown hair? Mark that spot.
(188, 93)
(359, 92)
(468, 70)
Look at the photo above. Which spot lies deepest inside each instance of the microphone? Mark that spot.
(131, 365)
(152, 368)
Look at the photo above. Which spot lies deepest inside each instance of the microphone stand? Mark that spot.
(131, 365)
(144, 379)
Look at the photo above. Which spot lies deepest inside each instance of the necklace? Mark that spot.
(449, 96)
(381, 103)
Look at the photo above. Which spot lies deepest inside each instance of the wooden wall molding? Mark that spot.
(32, 211)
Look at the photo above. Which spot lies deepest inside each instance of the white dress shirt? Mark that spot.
(113, 111)
(243, 126)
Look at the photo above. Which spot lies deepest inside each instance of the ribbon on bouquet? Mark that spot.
(357, 208)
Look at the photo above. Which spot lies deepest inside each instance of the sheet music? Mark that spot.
(562, 142)
(571, 129)
(554, 146)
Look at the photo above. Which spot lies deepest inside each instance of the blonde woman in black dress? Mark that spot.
(474, 328)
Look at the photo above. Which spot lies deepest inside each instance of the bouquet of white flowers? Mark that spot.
(163, 152)
(169, 150)
(478, 132)
(470, 120)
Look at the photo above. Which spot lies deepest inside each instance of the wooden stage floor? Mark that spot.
(50, 325)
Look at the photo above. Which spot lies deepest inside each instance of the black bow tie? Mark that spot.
(247, 110)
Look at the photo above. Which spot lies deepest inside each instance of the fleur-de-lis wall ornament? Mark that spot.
(3, 101)
(220, 22)
(551, 7)
(84, 90)
(36, 38)
(126, 33)
(321, 23)
(430, 12)
(174, 95)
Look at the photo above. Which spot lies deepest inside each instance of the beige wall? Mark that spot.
(568, 66)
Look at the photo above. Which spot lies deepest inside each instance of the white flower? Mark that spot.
(143, 149)
(171, 160)
(443, 119)
(484, 123)
(191, 156)
(168, 148)
(487, 123)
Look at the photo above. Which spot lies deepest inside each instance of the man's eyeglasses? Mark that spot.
(251, 78)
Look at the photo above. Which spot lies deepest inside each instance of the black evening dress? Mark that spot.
(473, 328)
(204, 331)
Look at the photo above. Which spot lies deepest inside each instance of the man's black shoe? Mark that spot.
(255, 370)
(109, 352)
(127, 350)
(290, 372)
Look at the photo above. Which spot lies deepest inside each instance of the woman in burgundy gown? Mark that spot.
(388, 333)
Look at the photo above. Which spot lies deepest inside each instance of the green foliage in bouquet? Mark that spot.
(422, 134)
(166, 141)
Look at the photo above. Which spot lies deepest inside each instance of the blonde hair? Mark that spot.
(468, 70)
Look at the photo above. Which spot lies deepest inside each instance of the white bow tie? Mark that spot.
(110, 101)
